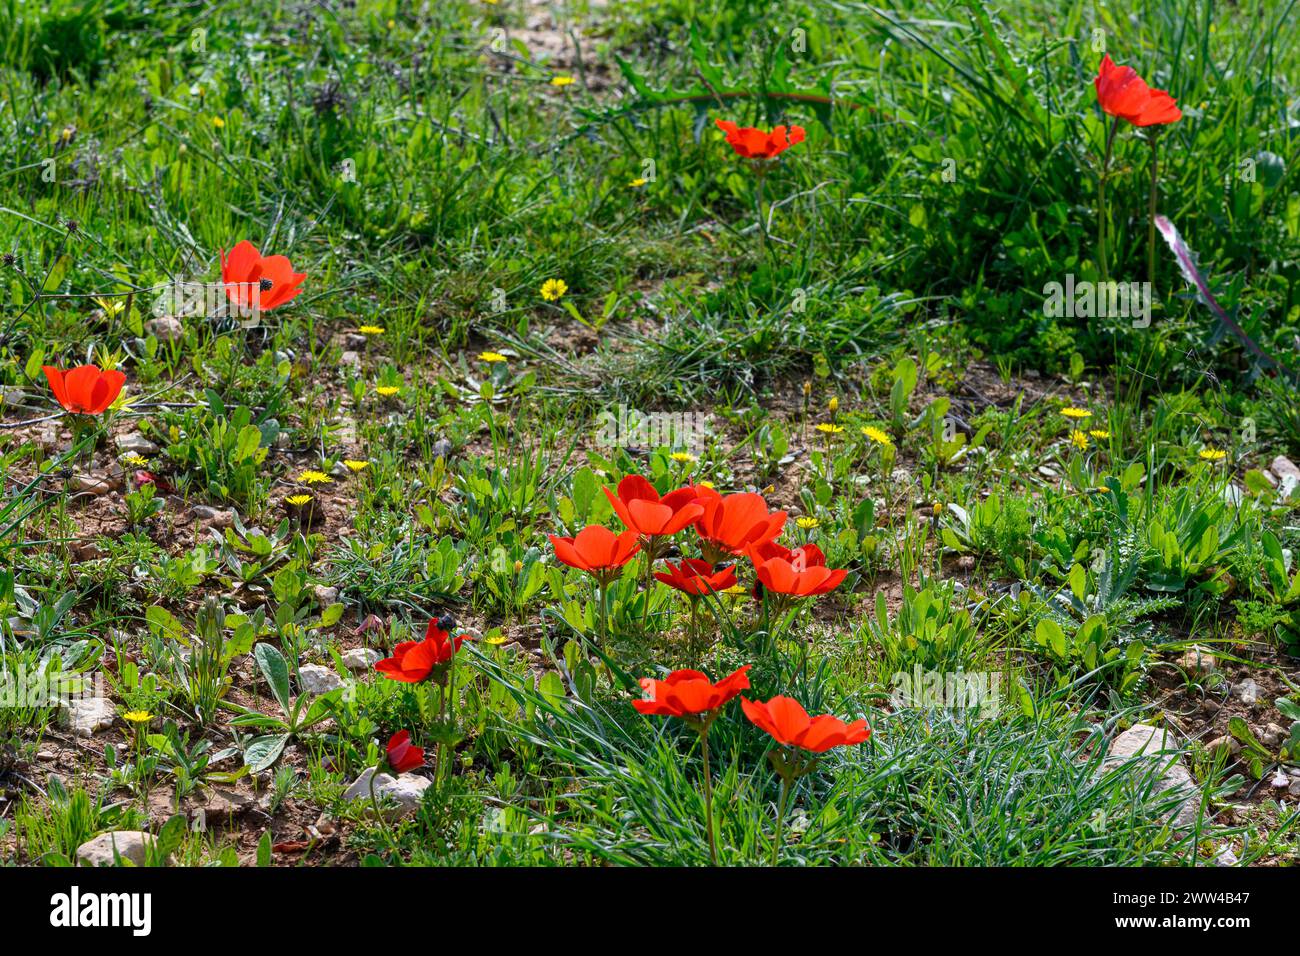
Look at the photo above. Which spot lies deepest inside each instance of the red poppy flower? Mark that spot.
(597, 550)
(753, 143)
(789, 724)
(401, 755)
(799, 573)
(641, 509)
(84, 390)
(697, 577)
(688, 693)
(732, 523)
(1121, 92)
(414, 661)
(251, 278)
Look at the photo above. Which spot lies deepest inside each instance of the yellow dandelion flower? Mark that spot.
(1078, 439)
(496, 640)
(371, 329)
(133, 459)
(937, 508)
(553, 289)
(833, 405)
(387, 391)
(562, 81)
(735, 589)
(1211, 454)
(637, 183)
(491, 357)
(1099, 433)
(829, 428)
(877, 435)
(315, 477)
(297, 501)
(138, 716)
(1076, 413)
(353, 465)
(218, 122)
(705, 484)
(806, 523)
(682, 456)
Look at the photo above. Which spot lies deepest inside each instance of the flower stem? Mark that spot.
(1151, 217)
(786, 784)
(708, 797)
(762, 223)
(1102, 264)
(695, 631)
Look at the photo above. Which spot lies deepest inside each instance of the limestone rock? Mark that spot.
(88, 715)
(130, 845)
(398, 797)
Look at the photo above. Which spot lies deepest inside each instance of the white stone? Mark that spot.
(165, 328)
(1288, 475)
(216, 517)
(318, 680)
(133, 443)
(130, 844)
(325, 596)
(1143, 740)
(1197, 659)
(361, 658)
(397, 798)
(1248, 691)
(88, 715)
(92, 484)
(1280, 780)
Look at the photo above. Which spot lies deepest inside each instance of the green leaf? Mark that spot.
(276, 671)
(264, 751)
(551, 687)
(264, 849)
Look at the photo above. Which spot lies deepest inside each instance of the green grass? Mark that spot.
(426, 174)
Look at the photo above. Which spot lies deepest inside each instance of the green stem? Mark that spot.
(708, 797)
(648, 583)
(1102, 264)
(1151, 218)
(762, 223)
(786, 784)
(695, 631)
(604, 622)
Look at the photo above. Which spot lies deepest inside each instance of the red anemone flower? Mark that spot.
(641, 509)
(753, 143)
(798, 573)
(696, 578)
(732, 523)
(1121, 92)
(415, 661)
(254, 279)
(84, 390)
(597, 550)
(789, 724)
(401, 755)
(688, 693)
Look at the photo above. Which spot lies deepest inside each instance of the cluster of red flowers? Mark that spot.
(727, 526)
(691, 696)
(247, 277)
